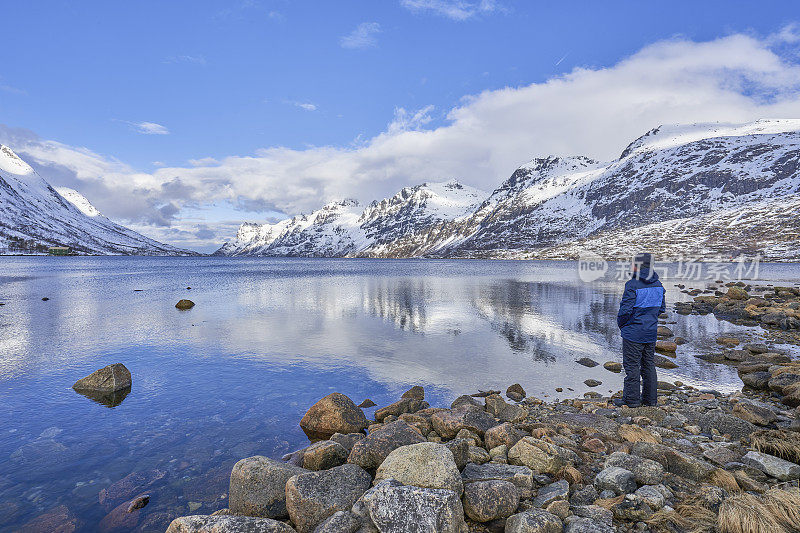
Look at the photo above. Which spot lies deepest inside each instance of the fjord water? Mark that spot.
(231, 377)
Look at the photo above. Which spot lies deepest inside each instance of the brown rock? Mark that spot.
(58, 520)
(183, 305)
(108, 379)
(129, 486)
(663, 362)
(613, 366)
(448, 423)
(335, 413)
(505, 433)
(516, 392)
(666, 346)
(401, 406)
(594, 445)
(415, 393)
(633, 433)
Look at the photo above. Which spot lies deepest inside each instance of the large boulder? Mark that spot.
(227, 524)
(520, 476)
(427, 464)
(754, 412)
(645, 471)
(485, 501)
(540, 456)
(505, 433)
(674, 461)
(616, 479)
(449, 422)
(394, 508)
(534, 521)
(774, 466)
(258, 486)
(340, 522)
(324, 454)
(369, 452)
(335, 413)
(111, 378)
(314, 496)
(726, 424)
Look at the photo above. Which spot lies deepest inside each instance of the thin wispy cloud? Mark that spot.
(453, 9)
(10, 89)
(307, 106)
(190, 59)
(147, 128)
(364, 36)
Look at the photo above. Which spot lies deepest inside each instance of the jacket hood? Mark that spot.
(645, 275)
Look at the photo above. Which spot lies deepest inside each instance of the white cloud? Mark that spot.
(307, 106)
(364, 36)
(149, 128)
(590, 111)
(452, 9)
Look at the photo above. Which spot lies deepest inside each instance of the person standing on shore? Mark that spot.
(643, 301)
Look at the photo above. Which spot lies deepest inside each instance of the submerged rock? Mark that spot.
(335, 413)
(183, 305)
(613, 366)
(109, 379)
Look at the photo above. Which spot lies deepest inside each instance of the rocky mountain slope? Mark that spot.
(35, 216)
(704, 189)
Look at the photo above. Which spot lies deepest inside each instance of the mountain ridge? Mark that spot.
(36, 216)
(671, 173)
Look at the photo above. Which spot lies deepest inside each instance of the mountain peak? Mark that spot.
(12, 163)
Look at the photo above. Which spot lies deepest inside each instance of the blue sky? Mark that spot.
(164, 94)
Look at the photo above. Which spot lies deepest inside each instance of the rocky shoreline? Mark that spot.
(700, 461)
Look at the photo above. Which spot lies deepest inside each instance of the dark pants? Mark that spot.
(638, 360)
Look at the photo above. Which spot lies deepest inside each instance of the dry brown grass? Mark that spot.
(745, 513)
(724, 479)
(783, 505)
(778, 442)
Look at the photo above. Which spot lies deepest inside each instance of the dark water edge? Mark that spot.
(232, 377)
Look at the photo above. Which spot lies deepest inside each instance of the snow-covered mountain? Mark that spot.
(35, 216)
(703, 189)
(405, 225)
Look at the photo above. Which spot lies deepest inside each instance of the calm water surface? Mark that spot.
(268, 337)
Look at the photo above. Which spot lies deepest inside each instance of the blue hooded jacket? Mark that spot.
(644, 299)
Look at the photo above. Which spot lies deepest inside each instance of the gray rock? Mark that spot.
(401, 406)
(726, 424)
(540, 455)
(340, 522)
(651, 496)
(552, 492)
(520, 476)
(347, 440)
(584, 496)
(773, 466)
(370, 451)
(575, 524)
(465, 401)
(460, 450)
(335, 413)
(427, 464)
(620, 480)
(490, 500)
(258, 487)
(448, 423)
(395, 508)
(534, 521)
(323, 455)
(595, 512)
(645, 471)
(111, 378)
(588, 362)
(754, 412)
(313, 497)
(227, 524)
(505, 433)
(673, 460)
(478, 455)
(756, 380)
